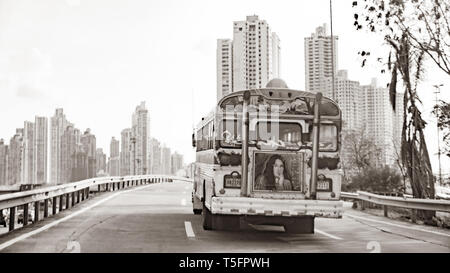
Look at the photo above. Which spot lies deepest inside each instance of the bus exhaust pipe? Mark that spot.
(245, 133)
(315, 150)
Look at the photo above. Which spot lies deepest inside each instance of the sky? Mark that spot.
(99, 59)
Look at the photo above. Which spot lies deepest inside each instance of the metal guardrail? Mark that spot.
(70, 194)
(401, 202)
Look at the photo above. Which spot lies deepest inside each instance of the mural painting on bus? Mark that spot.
(278, 171)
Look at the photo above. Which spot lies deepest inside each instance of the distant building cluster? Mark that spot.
(138, 153)
(24, 160)
(248, 61)
(70, 155)
(365, 109)
(252, 58)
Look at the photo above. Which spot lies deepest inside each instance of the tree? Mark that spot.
(442, 112)
(413, 29)
(359, 151)
(376, 179)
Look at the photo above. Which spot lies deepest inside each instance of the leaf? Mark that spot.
(355, 3)
(356, 16)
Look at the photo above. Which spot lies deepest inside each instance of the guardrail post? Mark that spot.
(61, 202)
(54, 205)
(385, 209)
(45, 208)
(363, 205)
(413, 215)
(36, 211)
(82, 194)
(87, 193)
(78, 197)
(73, 199)
(67, 200)
(12, 218)
(113, 186)
(25, 214)
(98, 188)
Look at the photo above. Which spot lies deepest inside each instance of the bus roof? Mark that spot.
(276, 93)
(302, 101)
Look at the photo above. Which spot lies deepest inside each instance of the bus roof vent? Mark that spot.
(276, 83)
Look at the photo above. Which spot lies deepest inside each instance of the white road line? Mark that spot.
(39, 230)
(327, 234)
(189, 230)
(395, 225)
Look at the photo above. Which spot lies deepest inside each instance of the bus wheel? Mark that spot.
(207, 218)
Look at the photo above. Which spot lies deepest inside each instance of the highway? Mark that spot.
(158, 218)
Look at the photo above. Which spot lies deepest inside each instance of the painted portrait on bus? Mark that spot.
(277, 172)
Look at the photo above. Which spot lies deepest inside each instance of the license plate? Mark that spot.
(323, 185)
(232, 182)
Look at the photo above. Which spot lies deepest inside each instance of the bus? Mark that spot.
(268, 156)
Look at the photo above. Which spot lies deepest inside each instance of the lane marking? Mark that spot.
(396, 225)
(327, 234)
(189, 230)
(49, 225)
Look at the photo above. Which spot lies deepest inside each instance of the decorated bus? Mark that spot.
(268, 156)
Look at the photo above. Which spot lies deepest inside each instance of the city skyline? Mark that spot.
(127, 61)
(74, 154)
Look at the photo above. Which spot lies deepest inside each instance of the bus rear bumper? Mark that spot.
(278, 207)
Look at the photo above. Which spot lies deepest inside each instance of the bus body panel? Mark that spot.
(276, 207)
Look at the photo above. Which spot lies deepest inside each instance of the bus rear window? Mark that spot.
(278, 135)
(328, 138)
(231, 133)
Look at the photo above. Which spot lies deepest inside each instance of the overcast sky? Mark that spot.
(99, 59)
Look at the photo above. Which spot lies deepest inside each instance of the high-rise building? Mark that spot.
(88, 142)
(166, 166)
(276, 56)
(248, 61)
(40, 150)
(58, 126)
(69, 146)
(156, 156)
(176, 163)
(114, 161)
(140, 163)
(348, 95)
(80, 164)
(381, 122)
(15, 153)
(253, 66)
(224, 67)
(3, 163)
(320, 62)
(100, 161)
(125, 152)
(28, 153)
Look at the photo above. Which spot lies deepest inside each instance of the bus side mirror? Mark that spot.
(193, 140)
